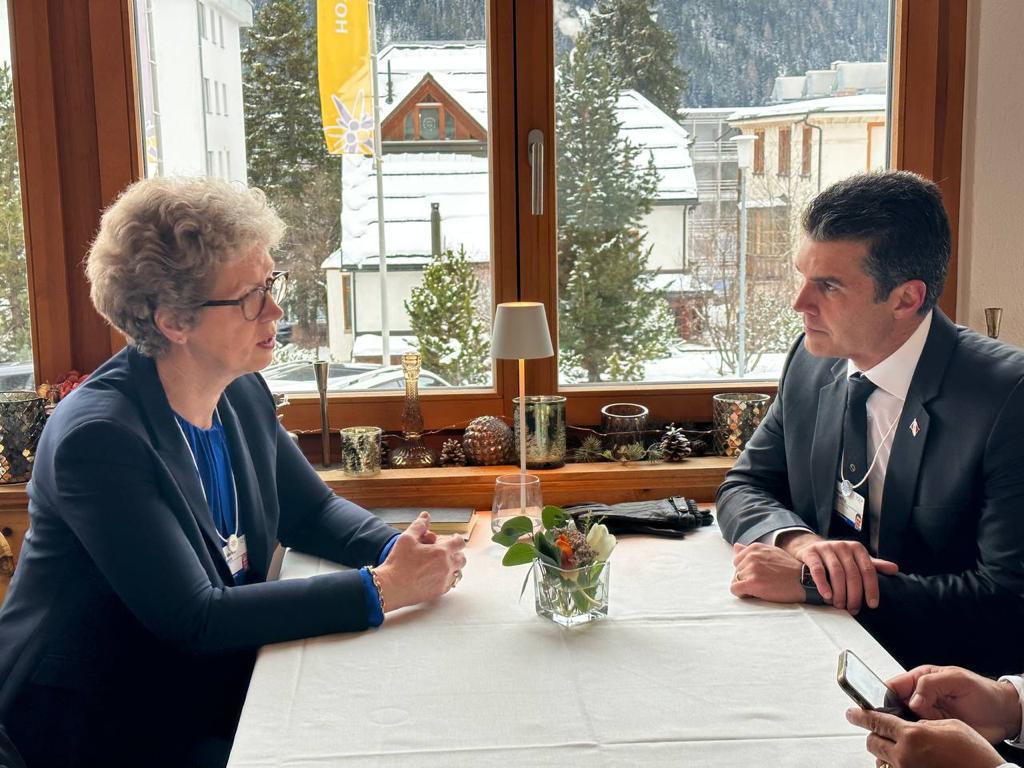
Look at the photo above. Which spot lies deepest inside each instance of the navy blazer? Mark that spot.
(122, 630)
(952, 510)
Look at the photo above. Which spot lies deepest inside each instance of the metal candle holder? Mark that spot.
(993, 317)
(321, 369)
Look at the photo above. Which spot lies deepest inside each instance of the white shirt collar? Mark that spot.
(895, 372)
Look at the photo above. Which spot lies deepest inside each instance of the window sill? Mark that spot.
(608, 482)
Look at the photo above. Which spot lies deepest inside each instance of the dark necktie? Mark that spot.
(855, 437)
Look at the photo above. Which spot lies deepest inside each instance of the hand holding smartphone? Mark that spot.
(867, 689)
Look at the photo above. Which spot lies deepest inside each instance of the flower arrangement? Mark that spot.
(570, 566)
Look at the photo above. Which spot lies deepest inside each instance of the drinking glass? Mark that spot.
(516, 495)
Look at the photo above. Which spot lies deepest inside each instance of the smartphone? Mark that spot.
(867, 689)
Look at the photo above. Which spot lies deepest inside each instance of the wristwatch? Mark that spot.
(811, 594)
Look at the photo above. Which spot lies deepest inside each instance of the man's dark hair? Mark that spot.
(899, 216)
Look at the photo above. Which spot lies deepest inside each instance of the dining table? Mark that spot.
(679, 673)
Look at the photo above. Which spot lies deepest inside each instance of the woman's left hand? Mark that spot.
(420, 567)
(924, 744)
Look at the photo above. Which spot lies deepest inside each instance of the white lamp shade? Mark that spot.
(744, 149)
(520, 332)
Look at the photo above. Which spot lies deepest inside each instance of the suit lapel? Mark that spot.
(250, 505)
(828, 430)
(173, 450)
(911, 437)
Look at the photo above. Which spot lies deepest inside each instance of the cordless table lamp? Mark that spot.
(521, 333)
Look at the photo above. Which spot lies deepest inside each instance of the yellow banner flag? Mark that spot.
(343, 62)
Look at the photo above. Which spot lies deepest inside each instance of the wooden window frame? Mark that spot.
(78, 135)
(785, 150)
(806, 144)
(758, 169)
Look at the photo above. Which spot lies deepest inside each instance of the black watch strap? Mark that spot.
(811, 594)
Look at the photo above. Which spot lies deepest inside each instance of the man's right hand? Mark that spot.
(420, 566)
(844, 571)
(991, 708)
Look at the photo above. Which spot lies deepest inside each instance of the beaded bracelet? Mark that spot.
(376, 583)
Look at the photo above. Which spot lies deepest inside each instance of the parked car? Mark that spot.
(293, 378)
(284, 332)
(17, 376)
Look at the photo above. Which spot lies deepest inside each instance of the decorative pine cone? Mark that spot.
(699, 447)
(488, 440)
(452, 454)
(675, 446)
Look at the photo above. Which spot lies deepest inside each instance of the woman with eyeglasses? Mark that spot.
(160, 490)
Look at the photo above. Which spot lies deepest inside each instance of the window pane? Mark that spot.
(232, 89)
(16, 370)
(430, 119)
(650, 204)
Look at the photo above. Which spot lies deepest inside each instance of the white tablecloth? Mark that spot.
(681, 673)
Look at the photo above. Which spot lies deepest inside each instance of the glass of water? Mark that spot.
(516, 495)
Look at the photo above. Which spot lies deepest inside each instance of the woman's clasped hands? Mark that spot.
(421, 566)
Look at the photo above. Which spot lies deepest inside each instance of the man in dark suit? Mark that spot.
(889, 471)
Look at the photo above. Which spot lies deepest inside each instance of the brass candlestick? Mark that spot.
(412, 453)
(993, 317)
(321, 369)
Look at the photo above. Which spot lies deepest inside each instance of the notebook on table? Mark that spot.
(443, 520)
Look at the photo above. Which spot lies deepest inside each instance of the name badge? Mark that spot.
(238, 557)
(849, 506)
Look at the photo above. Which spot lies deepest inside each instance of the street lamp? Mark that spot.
(744, 160)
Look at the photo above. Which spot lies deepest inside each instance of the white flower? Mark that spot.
(600, 541)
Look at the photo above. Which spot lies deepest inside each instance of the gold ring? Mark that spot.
(457, 578)
(885, 765)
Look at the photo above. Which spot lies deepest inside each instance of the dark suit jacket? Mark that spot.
(953, 504)
(123, 639)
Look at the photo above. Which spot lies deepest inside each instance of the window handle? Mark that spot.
(535, 143)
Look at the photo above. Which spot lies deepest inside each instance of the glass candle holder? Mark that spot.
(516, 495)
(545, 430)
(360, 451)
(624, 423)
(736, 416)
(22, 417)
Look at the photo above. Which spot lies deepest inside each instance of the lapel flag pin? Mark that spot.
(914, 428)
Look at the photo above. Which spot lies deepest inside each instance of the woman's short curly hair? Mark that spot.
(162, 244)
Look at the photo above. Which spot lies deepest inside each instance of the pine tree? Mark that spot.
(442, 311)
(640, 52)
(288, 158)
(612, 317)
(15, 334)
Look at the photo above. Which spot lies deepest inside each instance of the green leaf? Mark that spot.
(553, 517)
(513, 530)
(519, 553)
(546, 548)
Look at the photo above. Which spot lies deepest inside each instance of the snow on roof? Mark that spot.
(458, 67)
(675, 283)
(868, 102)
(787, 88)
(862, 76)
(646, 126)
(458, 183)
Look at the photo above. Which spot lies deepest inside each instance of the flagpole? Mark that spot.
(385, 329)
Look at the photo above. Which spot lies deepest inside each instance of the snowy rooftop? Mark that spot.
(666, 140)
(458, 183)
(868, 102)
(459, 68)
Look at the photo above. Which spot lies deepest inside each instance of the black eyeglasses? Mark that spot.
(254, 302)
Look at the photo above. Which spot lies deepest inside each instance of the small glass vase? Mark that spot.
(571, 597)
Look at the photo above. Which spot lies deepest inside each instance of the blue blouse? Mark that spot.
(213, 460)
(210, 451)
